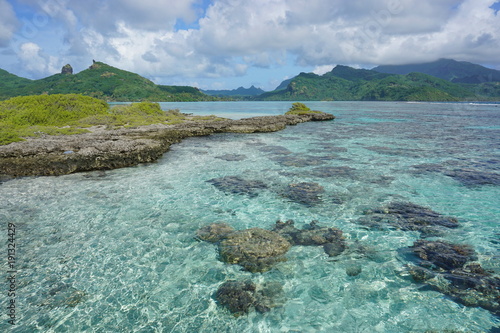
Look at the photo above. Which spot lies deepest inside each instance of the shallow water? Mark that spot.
(115, 251)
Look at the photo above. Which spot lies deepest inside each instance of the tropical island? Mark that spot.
(63, 123)
(443, 80)
(67, 133)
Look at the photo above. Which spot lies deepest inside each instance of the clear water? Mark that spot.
(125, 240)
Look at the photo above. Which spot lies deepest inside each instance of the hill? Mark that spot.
(447, 69)
(101, 81)
(240, 92)
(10, 82)
(346, 83)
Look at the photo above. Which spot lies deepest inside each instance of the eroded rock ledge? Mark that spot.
(111, 149)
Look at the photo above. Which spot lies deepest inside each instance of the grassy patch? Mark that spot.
(32, 116)
(300, 109)
(45, 115)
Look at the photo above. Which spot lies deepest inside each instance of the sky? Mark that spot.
(225, 44)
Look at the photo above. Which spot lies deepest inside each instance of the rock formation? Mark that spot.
(330, 238)
(241, 297)
(238, 185)
(305, 193)
(449, 269)
(409, 217)
(215, 232)
(67, 69)
(111, 149)
(255, 249)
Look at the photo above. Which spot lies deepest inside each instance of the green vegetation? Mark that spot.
(238, 94)
(45, 114)
(447, 69)
(59, 114)
(139, 114)
(469, 82)
(52, 110)
(348, 84)
(100, 81)
(300, 109)
(10, 83)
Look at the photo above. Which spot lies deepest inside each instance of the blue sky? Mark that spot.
(224, 44)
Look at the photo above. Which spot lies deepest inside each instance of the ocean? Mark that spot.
(116, 251)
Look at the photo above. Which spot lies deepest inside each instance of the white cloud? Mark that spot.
(235, 35)
(8, 22)
(34, 60)
(320, 70)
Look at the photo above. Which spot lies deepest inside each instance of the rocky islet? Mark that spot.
(105, 149)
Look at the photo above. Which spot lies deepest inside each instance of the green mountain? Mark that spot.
(240, 92)
(284, 84)
(10, 82)
(346, 83)
(447, 69)
(101, 81)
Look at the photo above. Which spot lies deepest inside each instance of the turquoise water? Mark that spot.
(115, 251)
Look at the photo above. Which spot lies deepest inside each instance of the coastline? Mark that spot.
(111, 149)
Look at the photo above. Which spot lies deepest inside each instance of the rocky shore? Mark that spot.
(104, 149)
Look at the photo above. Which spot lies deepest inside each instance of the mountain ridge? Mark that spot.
(341, 83)
(447, 69)
(240, 91)
(101, 81)
(347, 83)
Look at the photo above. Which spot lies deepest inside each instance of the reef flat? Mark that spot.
(105, 149)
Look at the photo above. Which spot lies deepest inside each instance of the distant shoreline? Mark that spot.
(111, 149)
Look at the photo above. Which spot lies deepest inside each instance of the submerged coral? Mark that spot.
(238, 185)
(409, 217)
(330, 238)
(214, 232)
(255, 249)
(449, 269)
(241, 297)
(305, 193)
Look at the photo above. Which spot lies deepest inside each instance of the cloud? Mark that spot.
(232, 36)
(34, 60)
(8, 22)
(320, 70)
(105, 15)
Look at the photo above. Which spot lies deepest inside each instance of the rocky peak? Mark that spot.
(67, 69)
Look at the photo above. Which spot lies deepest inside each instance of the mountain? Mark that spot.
(352, 74)
(447, 69)
(102, 81)
(284, 84)
(10, 82)
(346, 83)
(240, 92)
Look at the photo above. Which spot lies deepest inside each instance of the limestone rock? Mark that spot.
(110, 149)
(67, 69)
(331, 239)
(238, 185)
(237, 296)
(308, 194)
(442, 254)
(409, 217)
(447, 268)
(214, 232)
(257, 250)
(241, 297)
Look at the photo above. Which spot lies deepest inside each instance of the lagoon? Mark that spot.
(116, 251)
